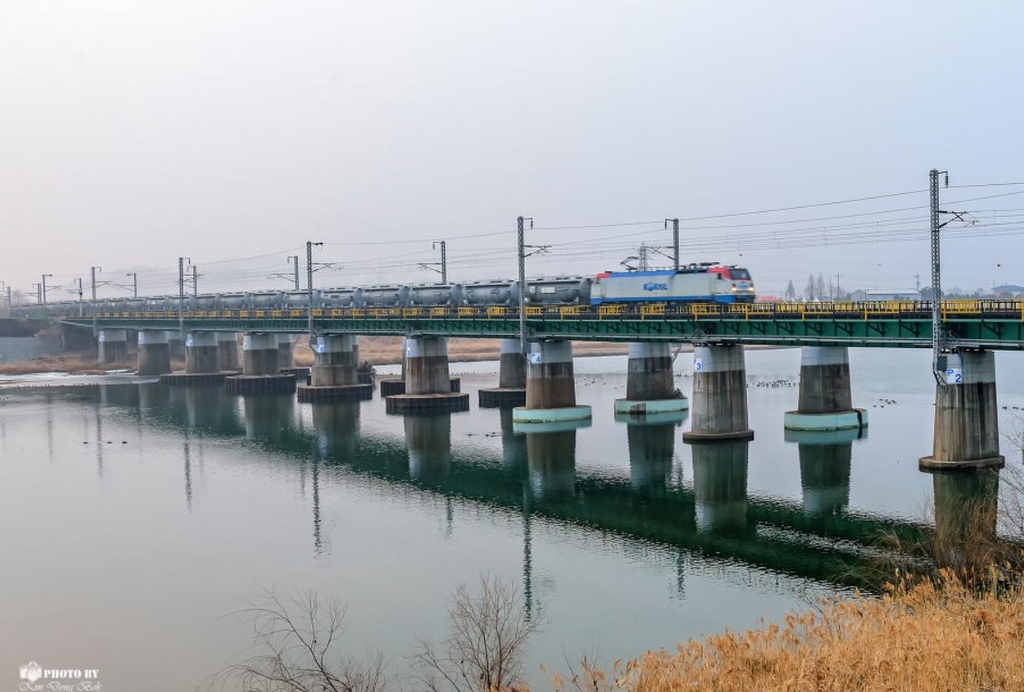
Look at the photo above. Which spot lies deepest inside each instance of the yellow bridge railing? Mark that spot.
(949, 309)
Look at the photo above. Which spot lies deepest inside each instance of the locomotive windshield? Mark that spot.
(739, 274)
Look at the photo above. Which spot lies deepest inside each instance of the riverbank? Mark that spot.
(927, 637)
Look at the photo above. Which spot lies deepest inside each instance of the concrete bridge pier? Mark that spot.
(201, 361)
(113, 346)
(392, 385)
(154, 352)
(334, 374)
(650, 384)
(825, 401)
(429, 440)
(175, 344)
(511, 389)
(550, 389)
(227, 352)
(284, 352)
(201, 353)
(260, 371)
(966, 433)
(719, 410)
(428, 383)
(720, 487)
(551, 463)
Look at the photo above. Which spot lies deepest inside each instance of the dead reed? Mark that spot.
(931, 634)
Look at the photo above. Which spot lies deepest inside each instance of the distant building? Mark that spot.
(1008, 291)
(863, 295)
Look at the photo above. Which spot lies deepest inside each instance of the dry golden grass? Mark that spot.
(69, 364)
(930, 635)
(76, 365)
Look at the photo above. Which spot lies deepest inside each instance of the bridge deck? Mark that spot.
(968, 323)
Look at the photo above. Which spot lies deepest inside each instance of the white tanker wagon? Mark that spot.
(706, 282)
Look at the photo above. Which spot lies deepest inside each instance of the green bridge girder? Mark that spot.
(913, 331)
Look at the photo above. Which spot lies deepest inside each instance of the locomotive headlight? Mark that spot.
(735, 288)
(751, 288)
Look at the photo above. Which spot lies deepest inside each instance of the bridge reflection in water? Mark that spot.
(535, 474)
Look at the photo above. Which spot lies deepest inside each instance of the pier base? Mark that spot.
(391, 387)
(189, 379)
(260, 384)
(966, 433)
(719, 410)
(358, 392)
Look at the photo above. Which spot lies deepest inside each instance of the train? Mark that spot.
(700, 282)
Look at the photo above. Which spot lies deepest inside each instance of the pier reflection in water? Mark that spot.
(336, 424)
(652, 449)
(966, 518)
(551, 459)
(720, 487)
(428, 438)
(269, 418)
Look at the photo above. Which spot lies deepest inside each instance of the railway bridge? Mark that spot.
(536, 369)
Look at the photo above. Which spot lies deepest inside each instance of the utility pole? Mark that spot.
(521, 243)
(309, 288)
(80, 292)
(444, 260)
(675, 241)
(181, 294)
(195, 280)
(837, 286)
(42, 288)
(938, 363)
(93, 271)
(917, 281)
(10, 304)
(295, 260)
(135, 283)
(39, 294)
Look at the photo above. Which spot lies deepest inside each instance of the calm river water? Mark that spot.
(136, 517)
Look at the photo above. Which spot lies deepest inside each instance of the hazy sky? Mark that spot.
(134, 132)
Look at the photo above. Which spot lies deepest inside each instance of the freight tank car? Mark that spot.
(695, 283)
